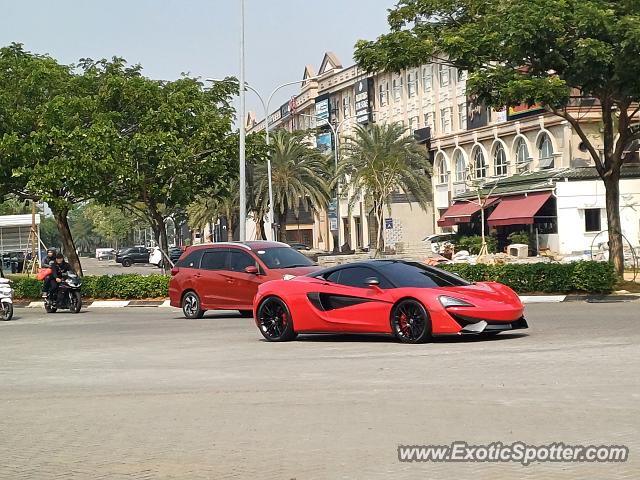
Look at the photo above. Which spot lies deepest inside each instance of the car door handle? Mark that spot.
(198, 275)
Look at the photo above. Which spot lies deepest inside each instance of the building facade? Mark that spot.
(527, 158)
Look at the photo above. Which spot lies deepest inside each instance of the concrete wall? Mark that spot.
(574, 197)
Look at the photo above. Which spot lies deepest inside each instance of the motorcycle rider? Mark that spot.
(47, 262)
(60, 268)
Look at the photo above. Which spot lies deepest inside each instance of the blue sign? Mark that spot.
(388, 223)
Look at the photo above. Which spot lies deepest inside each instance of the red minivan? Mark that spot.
(225, 276)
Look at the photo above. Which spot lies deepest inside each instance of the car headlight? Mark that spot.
(454, 302)
(288, 276)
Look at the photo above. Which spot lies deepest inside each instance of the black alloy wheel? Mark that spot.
(410, 322)
(274, 320)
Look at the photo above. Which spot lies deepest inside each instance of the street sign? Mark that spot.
(388, 223)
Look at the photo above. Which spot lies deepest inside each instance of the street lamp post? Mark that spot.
(243, 135)
(265, 105)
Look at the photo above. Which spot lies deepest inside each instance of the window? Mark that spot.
(500, 160)
(462, 116)
(384, 94)
(445, 120)
(397, 88)
(428, 120)
(545, 151)
(240, 260)
(357, 276)
(461, 169)
(414, 274)
(427, 78)
(479, 165)
(283, 257)
(412, 84)
(214, 259)
(441, 169)
(444, 73)
(592, 221)
(346, 106)
(192, 260)
(522, 152)
(413, 124)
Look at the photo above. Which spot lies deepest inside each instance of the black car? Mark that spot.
(129, 256)
(175, 253)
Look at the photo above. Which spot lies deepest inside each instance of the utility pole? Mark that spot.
(243, 134)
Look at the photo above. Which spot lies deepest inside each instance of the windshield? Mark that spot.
(283, 257)
(413, 274)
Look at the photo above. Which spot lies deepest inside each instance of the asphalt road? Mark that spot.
(143, 393)
(92, 266)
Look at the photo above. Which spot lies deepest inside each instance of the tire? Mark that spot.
(275, 321)
(246, 313)
(75, 302)
(6, 312)
(410, 322)
(50, 309)
(127, 262)
(191, 306)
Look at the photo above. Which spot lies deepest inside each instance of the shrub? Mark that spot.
(125, 287)
(590, 277)
(473, 243)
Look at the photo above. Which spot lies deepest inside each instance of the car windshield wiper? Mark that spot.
(296, 265)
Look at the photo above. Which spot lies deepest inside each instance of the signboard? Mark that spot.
(332, 211)
(322, 112)
(388, 223)
(523, 110)
(363, 111)
(477, 114)
(324, 144)
(501, 116)
(333, 224)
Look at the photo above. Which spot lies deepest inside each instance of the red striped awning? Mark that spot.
(518, 210)
(462, 211)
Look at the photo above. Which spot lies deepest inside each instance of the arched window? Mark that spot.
(545, 151)
(479, 164)
(461, 168)
(441, 170)
(500, 160)
(522, 152)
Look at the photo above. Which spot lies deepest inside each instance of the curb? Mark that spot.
(526, 299)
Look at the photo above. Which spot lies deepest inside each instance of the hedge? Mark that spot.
(125, 287)
(589, 277)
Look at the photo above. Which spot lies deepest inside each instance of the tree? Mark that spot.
(535, 52)
(112, 224)
(172, 140)
(53, 145)
(380, 160)
(299, 178)
(14, 206)
(207, 208)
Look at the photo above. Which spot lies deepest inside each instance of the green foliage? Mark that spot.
(125, 287)
(522, 237)
(473, 243)
(299, 176)
(590, 277)
(381, 160)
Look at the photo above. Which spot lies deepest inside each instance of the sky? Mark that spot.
(199, 37)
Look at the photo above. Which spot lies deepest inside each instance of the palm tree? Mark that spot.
(380, 160)
(299, 177)
(206, 209)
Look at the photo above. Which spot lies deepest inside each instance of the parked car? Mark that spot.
(299, 246)
(226, 276)
(105, 253)
(131, 255)
(438, 240)
(408, 300)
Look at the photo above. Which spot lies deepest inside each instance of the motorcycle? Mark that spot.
(68, 296)
(6, 299)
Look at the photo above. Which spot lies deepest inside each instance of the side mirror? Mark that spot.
(372, 282)
(252, 269)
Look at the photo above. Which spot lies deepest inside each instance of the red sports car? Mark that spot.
(409, 300)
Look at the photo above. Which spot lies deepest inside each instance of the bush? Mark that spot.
(473, 243)
(589, 277)
(125, 287)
